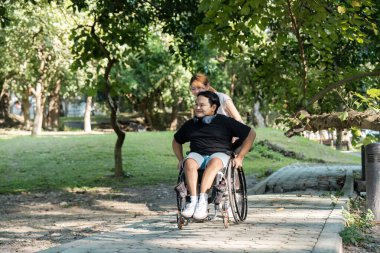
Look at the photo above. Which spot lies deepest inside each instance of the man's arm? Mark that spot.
(245, 147)
(178, 151)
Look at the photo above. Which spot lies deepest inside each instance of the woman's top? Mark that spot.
(223, 99)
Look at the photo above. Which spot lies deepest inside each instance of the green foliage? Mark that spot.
(37, 28)
(369, 101)
(338, 39)
(358, 222)
(152, 80)
(352, 236)
(253, 40)
(4, 20)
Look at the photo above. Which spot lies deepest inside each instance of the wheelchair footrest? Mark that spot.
(181, 189)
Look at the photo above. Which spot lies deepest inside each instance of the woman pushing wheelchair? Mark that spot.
(210, 136)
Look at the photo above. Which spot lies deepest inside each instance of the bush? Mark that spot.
(358, 222)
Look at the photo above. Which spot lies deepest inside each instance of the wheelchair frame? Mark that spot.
(228, 191)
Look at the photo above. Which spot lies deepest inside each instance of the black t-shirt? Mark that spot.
(207, 139)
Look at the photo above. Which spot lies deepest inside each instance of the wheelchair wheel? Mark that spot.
(181, 200)
(237, 193)
(226, 217)
(181, 221)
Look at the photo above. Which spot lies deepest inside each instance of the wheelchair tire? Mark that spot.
(181, 202)
(237, 193)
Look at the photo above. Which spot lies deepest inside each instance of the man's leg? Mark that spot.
(217, 162)
(209, 174)
(191, 174)
(191, 164)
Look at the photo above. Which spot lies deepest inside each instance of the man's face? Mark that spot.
(203, 107)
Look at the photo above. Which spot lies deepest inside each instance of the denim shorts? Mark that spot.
(202, 161)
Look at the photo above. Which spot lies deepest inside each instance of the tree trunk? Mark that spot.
(233, 85)
(174, 117)
(113, 106)
(25, 110)
(4, 103)
(339, 140)
(145, 109)
(38, 116)
(331, 134)
(53, 114)
(119, 144)
(87, 115)
(321, 137)
(349, 144)
(257, 117)
(39, 91)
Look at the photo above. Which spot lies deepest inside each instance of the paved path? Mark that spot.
(291, 222)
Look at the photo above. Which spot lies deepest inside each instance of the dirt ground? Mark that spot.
(32, 222)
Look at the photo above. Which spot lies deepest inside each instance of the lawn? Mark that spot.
(53, 162)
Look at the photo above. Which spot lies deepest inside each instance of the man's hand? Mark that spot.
(247, 144)
(179, 166)
(237, 162)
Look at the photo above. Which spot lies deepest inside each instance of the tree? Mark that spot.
(37, 57)
(119, 28)
(115, 29)
(150, 79)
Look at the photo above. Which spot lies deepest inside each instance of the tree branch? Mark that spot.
(364, 120)
(98, 41)
(333, 86)
(302, 57)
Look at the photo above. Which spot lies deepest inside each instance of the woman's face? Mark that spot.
(197, 87)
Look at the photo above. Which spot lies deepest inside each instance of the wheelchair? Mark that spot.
(229, 192)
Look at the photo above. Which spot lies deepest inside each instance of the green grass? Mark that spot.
(310, 149)
(66, 161)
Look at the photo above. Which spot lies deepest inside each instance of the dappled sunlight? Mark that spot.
(42, 220)
(124, 207)
(21, 229)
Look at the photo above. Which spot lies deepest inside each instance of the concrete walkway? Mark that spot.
(291, 222)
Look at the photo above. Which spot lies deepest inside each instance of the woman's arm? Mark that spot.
(232, 111)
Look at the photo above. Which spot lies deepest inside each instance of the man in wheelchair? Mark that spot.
(210, 136)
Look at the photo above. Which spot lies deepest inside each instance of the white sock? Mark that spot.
(203, 197)
(194, 199)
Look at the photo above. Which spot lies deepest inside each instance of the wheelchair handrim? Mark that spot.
(238, 206)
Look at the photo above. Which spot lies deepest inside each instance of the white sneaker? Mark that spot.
(201, 211)
(189, 210)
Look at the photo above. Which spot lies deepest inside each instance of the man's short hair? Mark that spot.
(213, 98)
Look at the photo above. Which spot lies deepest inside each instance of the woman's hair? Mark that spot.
(213, 98)
(203, 79)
